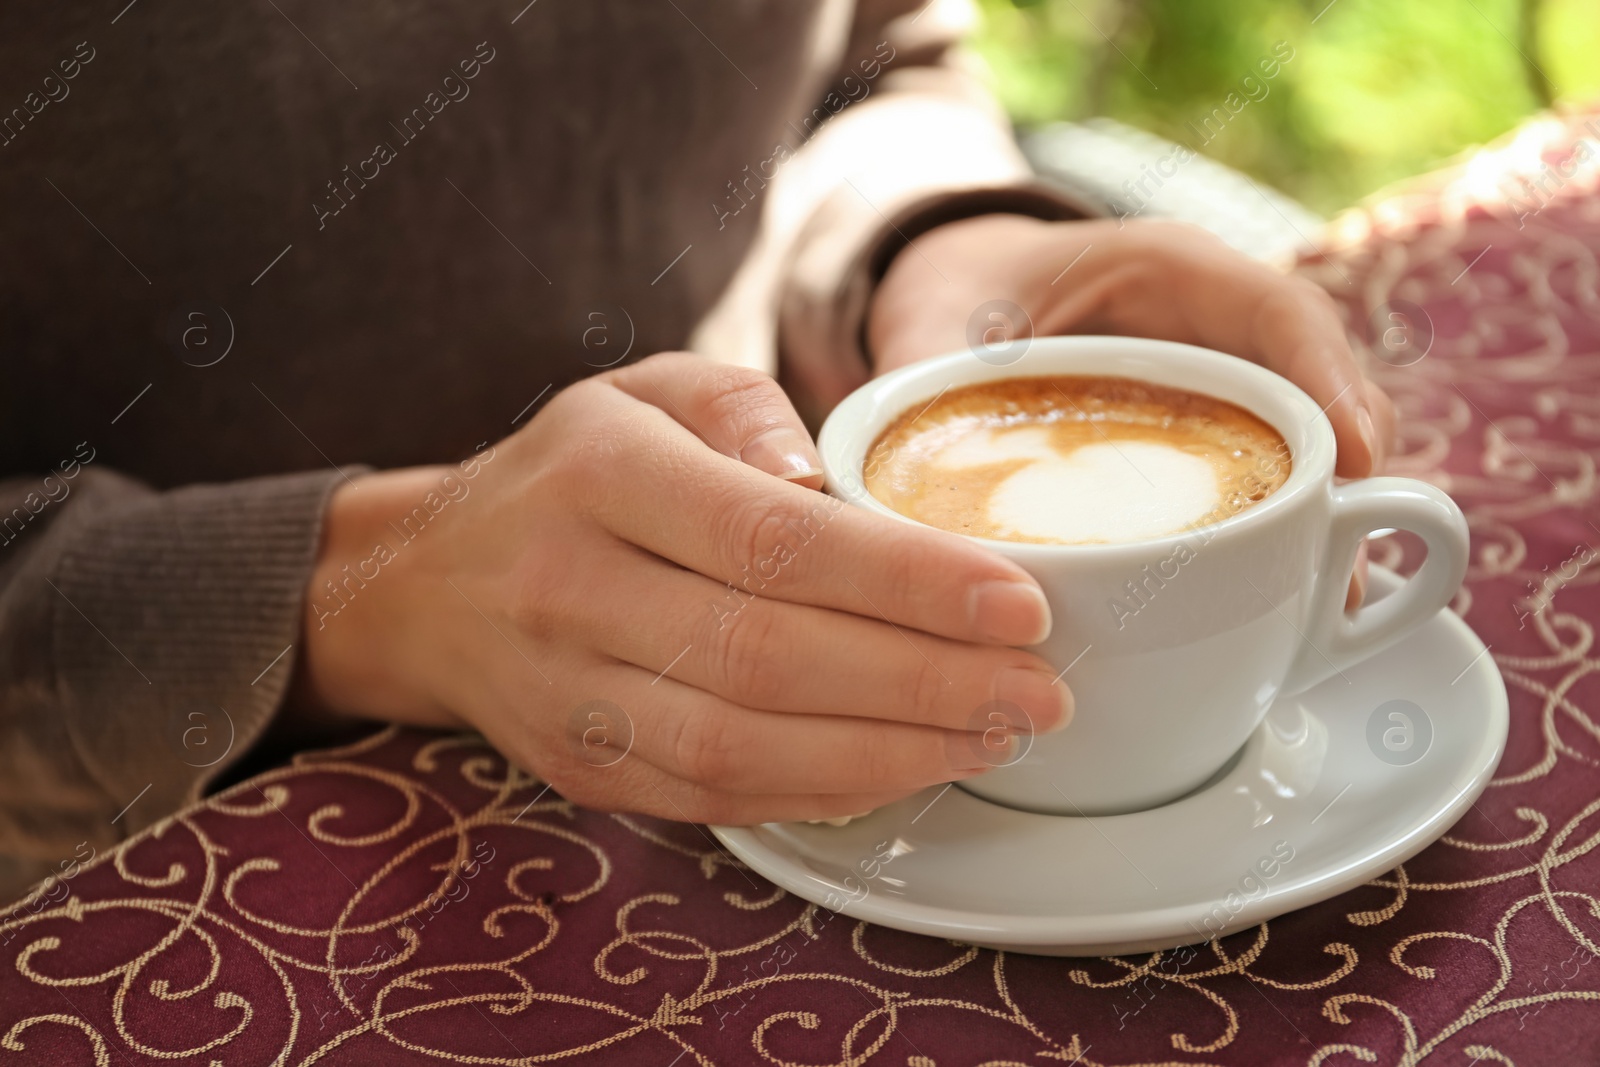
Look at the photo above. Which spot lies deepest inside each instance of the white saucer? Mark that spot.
(1307, 784)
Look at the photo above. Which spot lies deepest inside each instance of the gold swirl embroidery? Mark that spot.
(374, 971)
(13, 1037)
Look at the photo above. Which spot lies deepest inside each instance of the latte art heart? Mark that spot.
(1075, 460)
(1139, 490)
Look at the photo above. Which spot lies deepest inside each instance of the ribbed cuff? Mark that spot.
(1035, 199)
(175, 632)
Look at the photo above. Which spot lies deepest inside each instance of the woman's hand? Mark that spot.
(641, 598)
(1144, 279)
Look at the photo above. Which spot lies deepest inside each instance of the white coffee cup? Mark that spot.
(1247, 610)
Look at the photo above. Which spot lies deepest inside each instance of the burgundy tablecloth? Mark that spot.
(410, 900)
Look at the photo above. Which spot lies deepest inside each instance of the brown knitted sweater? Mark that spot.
(247, 244)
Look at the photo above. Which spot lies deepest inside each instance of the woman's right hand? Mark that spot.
(647, 568)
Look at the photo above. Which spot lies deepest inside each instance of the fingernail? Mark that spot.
(1369, 437)
(784, 452)
(1009, 612)
(1046, 701)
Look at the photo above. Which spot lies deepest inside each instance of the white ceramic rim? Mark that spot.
(850, 430)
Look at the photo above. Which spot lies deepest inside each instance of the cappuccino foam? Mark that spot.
(1075, 460)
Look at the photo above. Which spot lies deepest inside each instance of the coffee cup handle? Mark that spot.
(1335, 638)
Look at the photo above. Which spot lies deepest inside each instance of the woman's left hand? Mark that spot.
(1004, 276)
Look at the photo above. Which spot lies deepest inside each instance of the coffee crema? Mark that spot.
(1074, 460)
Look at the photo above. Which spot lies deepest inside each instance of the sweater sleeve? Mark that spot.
(149, 639)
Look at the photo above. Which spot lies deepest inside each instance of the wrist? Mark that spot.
(362, 653)
(948, 270)
(952, 286)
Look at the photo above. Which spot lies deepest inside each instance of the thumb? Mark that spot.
(738, 411)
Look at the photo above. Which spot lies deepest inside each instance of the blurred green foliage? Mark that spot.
(1376, 90)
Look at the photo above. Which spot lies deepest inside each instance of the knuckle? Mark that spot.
(1173, 236)
(580, 450)
(588, 463)
(900, 579)
(744, 656)
(709, 806)
(1280, 305)
(593, 444)
(1313, 294)
(738, 395)
(754, 528)
(1163, 228)
(703, 750)
(1200, 240)
(878, 757)
(667, 358)
(583, 791)
(907, 575)
(925, 690)
(539, 594)
(646, 368)
(553, 598)
(569, 407)
(531, 598)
